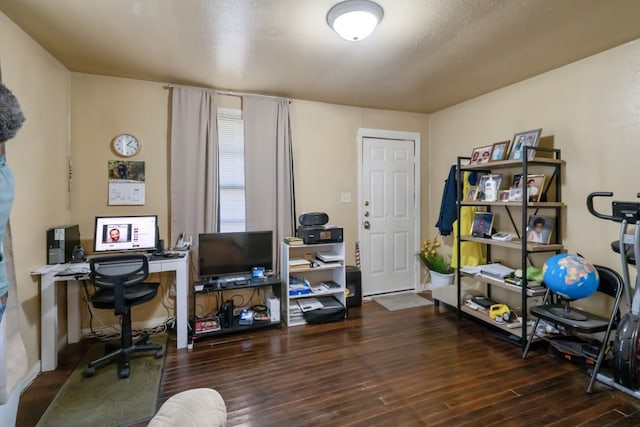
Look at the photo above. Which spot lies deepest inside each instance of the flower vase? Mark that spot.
(439, 280)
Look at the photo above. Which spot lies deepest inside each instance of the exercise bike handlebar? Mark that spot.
(593, 211)
(600, 215)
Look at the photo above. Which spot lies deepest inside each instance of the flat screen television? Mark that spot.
(224, 254)
(125, 233)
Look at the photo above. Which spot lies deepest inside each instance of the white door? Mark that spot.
(388, 230)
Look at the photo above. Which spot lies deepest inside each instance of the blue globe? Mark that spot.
(570, 276)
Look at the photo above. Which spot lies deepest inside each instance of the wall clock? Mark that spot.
(126, 145)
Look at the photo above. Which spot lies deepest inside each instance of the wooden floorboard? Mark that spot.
(413, 367)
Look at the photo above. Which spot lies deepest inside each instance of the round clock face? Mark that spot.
(126, 145)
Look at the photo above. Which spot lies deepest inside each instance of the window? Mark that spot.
(231, 170)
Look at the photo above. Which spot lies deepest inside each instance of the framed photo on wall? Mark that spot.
(521, 140)
(500, 151)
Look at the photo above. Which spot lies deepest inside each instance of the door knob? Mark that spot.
(367, 225)
(366, 214)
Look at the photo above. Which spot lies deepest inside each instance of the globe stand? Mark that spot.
(566, 312)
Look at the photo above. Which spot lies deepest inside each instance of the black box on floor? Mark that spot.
(354, 286)
(332, 311)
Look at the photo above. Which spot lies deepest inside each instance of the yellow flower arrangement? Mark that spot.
(433, 260)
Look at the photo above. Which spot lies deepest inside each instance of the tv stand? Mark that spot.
(206, 326)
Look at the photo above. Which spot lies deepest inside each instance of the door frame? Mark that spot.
(393, 135)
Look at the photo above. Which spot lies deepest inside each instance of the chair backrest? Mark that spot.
(610, 281)
(117, 272)
(111, 270)
(612, 284)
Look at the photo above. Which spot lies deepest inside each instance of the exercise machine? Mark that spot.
(626, 348)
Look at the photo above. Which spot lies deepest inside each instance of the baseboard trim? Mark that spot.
(30, 376)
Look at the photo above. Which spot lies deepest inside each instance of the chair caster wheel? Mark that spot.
(90, 371)
(159, 354)
(124, 372)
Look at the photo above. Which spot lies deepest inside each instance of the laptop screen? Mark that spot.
(125, 233)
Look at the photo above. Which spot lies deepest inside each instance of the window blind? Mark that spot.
(231, 170)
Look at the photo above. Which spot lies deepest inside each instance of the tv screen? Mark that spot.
(125, 233)
(222, 254)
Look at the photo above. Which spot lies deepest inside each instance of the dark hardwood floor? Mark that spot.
(413, 367)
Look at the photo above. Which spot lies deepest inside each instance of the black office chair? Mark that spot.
(119, 286)
(611, 284)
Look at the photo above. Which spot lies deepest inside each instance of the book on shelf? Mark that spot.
(293, 241)
(330, 284)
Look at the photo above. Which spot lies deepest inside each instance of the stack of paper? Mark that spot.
(496, 271)
(308, 304)
(299, 264)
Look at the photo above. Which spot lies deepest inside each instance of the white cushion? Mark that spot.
(199, 407)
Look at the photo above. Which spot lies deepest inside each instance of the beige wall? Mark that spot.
(38, 158)
(591, 107)
(325, 158)
(101, 108)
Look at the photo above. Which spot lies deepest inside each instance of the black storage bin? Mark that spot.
(354, 286)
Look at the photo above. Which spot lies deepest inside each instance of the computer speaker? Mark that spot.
(78, 255)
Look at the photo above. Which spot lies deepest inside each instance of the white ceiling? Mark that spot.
(424, 56)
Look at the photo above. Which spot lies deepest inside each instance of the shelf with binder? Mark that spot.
(515, 217)
(302, 280)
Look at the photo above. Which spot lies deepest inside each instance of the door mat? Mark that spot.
(105, 399)
(394, 302)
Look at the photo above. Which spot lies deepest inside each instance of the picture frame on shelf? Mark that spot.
(500, 151)
(517, 180)
(515, 194)
(535, 186)
(539, 229)
(503, 195)
(481, 155)
(482, 223)
(529, 138)
(472, 192)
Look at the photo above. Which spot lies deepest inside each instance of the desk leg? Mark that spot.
(182, 300)
(74, 331)
(49, 322)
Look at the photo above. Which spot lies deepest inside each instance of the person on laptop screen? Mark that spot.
(116, 234)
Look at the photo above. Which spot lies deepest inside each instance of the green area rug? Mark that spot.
(105, 399)
(393, 302)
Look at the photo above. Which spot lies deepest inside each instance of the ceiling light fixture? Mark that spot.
(355, 20)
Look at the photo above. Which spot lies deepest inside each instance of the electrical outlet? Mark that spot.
(345, 197)
(172, 290)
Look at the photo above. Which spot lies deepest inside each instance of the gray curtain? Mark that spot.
(194, 162)
(268, 167)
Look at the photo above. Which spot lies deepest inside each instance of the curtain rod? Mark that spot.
(227, 92)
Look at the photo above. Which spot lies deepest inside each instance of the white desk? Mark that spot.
(49, 307)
